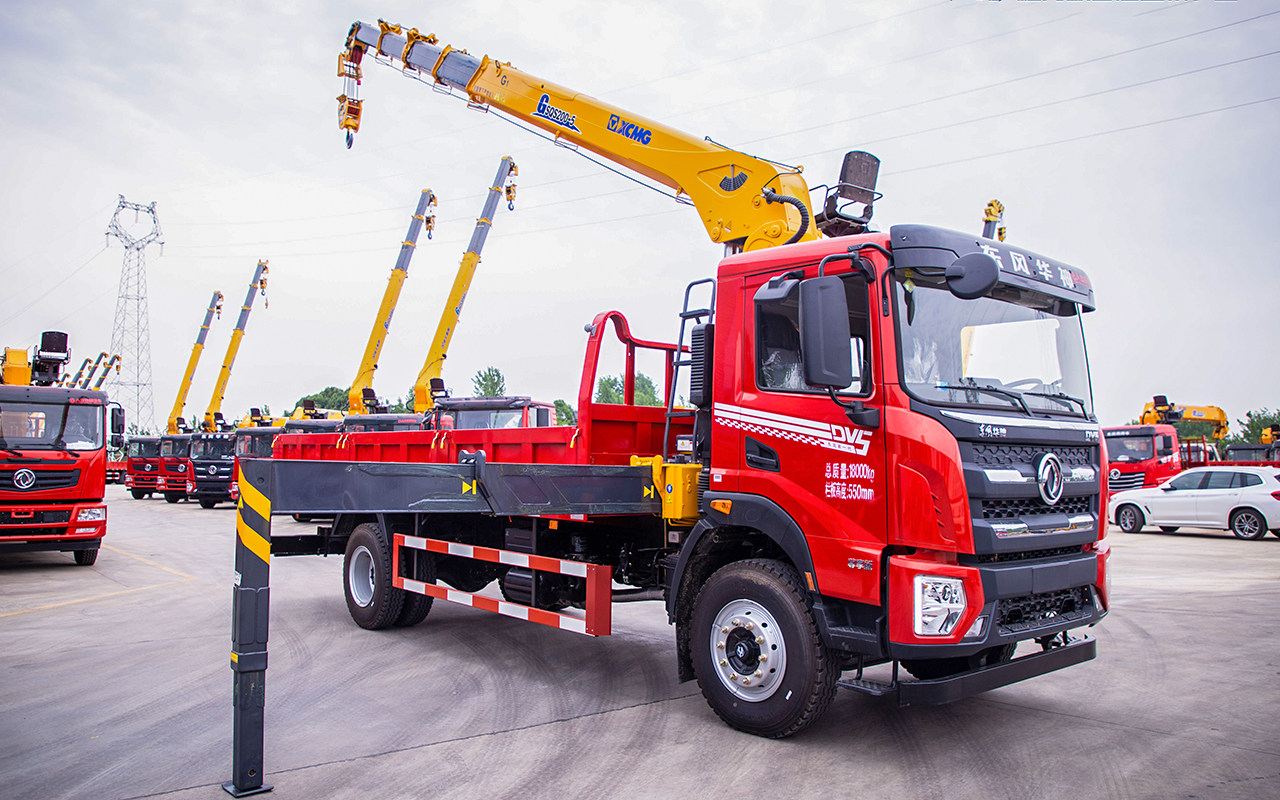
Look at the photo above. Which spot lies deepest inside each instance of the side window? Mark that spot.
(1188, 480)
(1249, 479)
(1221, 480)
(777, 340)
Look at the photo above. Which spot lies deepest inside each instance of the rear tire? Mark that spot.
(1248, 524)
(1169, 528)
(1129, 518)
(416, 606)
(372, 600)
(756, 651)
(85, 558)
(138, 494)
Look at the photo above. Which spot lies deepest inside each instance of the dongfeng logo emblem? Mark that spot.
(24, 479)
(212, 469)
(1049, 478)
(1113, 474)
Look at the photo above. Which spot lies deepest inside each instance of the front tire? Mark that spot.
(372, 600)
(1248, 524)
(208, 503)
(171, 497)
(138, 494)
(756, 651)
(85, 558)
(1129, 518)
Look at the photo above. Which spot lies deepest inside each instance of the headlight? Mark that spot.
(939, 602)
(92, 514)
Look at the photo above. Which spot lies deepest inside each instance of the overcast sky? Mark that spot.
(1134, 139)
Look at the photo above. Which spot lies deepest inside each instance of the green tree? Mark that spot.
(565, 415)
(405, 404)
(610, 389)
(328, 397)
(489, 382)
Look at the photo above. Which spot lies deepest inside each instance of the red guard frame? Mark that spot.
(598, 577)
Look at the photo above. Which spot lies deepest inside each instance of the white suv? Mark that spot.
(1243, 500)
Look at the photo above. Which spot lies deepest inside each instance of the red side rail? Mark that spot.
(598, 576)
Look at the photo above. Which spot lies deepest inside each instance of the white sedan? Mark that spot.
(1243, 500)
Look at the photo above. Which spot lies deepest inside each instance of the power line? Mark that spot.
(27, 306)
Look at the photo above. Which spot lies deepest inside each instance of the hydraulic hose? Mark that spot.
(771, 196)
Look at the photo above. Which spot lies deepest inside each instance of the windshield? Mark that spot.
(1012, 348)
(257, 445)
(1130, 448)
(488, 419)
(137, 449)
(224, 449)
(50, 426)
(175, 448)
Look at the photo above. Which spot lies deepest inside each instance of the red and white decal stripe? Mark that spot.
(597, 619)
(782, 426)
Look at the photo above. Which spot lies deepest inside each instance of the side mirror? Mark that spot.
(117, 421)
(972, 276)
(117, 441)
(824, 333)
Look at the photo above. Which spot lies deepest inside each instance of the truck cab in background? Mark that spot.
(489, 412)
(213, 457)
(142, 466)
(175, 466)
(1140, 456)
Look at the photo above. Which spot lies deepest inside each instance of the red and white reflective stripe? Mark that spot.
(598, 578)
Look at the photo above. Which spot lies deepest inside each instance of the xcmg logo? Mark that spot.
(557, 115)
(629, 130)
(859, 440)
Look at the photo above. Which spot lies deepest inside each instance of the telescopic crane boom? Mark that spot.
(361, 397)
(745, 202)
(114, 362)
(213, 414)
(1160, 410)
(98, 362)
(176, 420)
(502, 186)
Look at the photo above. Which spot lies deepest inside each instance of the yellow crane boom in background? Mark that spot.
(176, 421)
(360, 397)
(213, 414)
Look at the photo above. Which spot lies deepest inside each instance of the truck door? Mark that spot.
(797, 448)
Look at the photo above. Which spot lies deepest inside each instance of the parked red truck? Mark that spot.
(1141, 456)
(142, 466)
(53, 456)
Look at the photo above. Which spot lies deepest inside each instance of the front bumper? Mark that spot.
(966, 684)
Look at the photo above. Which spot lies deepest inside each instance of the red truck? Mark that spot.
(846, 491)
(142, 466)
(177, 476)
(53, 456)
(1141, 456)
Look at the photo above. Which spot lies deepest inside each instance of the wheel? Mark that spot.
(207, 503)
(373, 601)
(1169, 528)
(138, 494)
(1247, 524)
(927, 670)
(170, 497)
(756, 651)
(85, 558)
(1129, 518)
(416, 606)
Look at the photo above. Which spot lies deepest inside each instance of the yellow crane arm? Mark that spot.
(1160, 410)
(84, 384)
(213, 414)
(180, 402)
(356, 401)
(745, 202)
(114, 362)
(502, 185)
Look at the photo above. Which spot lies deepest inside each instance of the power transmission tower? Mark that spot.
(131, 334)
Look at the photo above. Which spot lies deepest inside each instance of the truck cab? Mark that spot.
(213, 458)
(53, 461)
(1140, 456)
(364, 423)
(475, 413)
(142, 466)
(175, 466)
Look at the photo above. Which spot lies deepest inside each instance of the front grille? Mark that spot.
(1026, 555)
(1132, 480)
(45, 479)
(1017, 507)
(1021, 614)
(1005, 455)
(37, 518)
